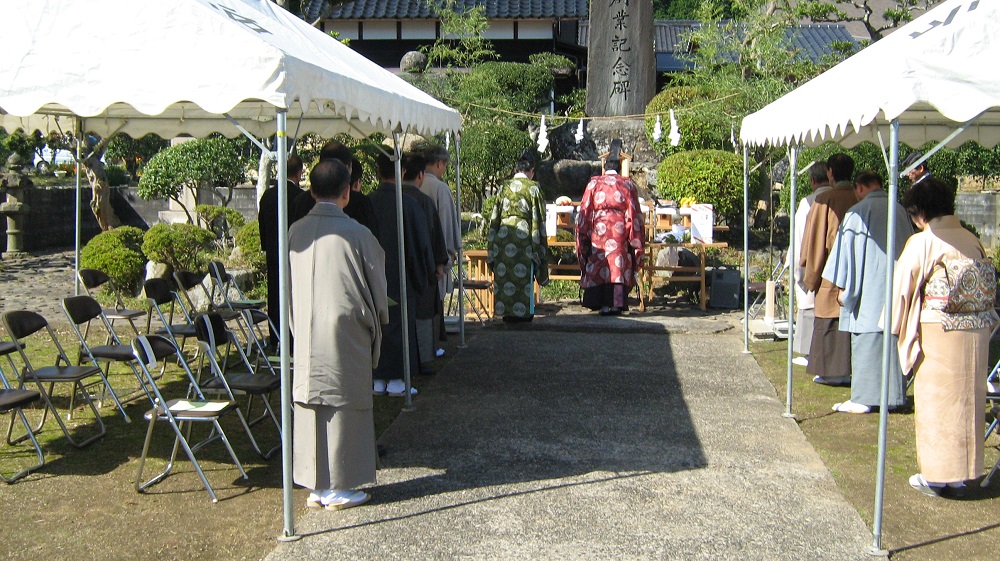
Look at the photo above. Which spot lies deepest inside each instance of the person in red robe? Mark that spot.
(609, 239)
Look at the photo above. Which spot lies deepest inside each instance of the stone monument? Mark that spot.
(621, 64)
(14, 183)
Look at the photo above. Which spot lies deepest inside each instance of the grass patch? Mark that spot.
(914, 526)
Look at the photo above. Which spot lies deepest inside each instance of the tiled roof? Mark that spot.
(495, 9)
(811, 39)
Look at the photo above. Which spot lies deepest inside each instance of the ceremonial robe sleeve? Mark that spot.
(912, 270)
(584, 226)
(539, 243)
(635, 231)
(814, 246)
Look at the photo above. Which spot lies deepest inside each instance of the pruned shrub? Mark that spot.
(702, 125)
(710, 176)
(250, 251)
(119, 253)
(181, 246)
(222, 221)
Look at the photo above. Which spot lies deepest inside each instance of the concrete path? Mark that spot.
(578, 437)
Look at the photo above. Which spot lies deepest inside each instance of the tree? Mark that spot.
(134, 153)
(462, 42)
(193, 165)
(862, 11)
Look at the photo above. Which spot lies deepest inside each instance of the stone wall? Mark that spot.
(981, 210)
(51, 214)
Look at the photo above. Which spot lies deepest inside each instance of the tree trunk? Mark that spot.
(264, 171)
(100, 200)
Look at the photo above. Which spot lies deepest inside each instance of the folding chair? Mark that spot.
(83, 310)
(187, 281)
(93, 279)
(179, 413)
(778, 275)
(21, 324)
(159, 294)
(13, 401)
(225, 283)
(212, 332)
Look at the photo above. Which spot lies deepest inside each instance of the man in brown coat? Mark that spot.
(339, 304)
(830, 348)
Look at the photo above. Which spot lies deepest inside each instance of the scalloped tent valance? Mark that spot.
(177, 67)
(936, 72)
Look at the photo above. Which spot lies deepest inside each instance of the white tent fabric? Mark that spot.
(922, 83)
(194, 67)
(937, 71)
(175, 67)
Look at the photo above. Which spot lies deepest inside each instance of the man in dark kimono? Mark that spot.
(359, 207)
(332, 150)
(420, 269)
(429, 302)
(267, 222)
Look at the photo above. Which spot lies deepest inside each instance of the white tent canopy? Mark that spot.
(936, 72)
(934, 79)
(177, 67)
(197, 67)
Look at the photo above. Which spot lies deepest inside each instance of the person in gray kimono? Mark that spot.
(858, 266)
(339, 304)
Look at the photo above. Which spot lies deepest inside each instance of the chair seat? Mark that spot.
(12, 399)
(250, 383)
(62, 373)
(113, 352)
(112, 313)
(477, 284)
(211, 409)
(247, 304)
(258, 316)
(7, 347)
(179, 330)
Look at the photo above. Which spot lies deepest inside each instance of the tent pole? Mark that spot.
(461, 246)
(793, 156)
(746, 251)
(284, 287)
(79, 220)
(403, 308)
(887, 347)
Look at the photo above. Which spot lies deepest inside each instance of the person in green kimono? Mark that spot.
(518, 252)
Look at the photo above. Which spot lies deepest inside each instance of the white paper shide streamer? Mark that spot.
(543, 137)
(579, 132)
(675, 132)
(657, 130)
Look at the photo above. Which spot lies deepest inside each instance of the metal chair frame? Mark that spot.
(83, 310)
(21, 324)
(13, 401)
(93, 279)
(180, 414)
(212, 331)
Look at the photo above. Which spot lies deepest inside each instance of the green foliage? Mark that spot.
(221, 220)
(699, 129)
(462, 42)
(119, 253)
(133, 153)
(21, 143)
(687, 9)
(182, 246)
(574, 103)
(507, 86)
(550, 60)
(895, 14)
(981, 163)
(117, 175)
(190, 165)
(251, 253)
(710, 176)
(867, 156)
(489, 150)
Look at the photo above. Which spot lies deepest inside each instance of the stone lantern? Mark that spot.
(14, 183)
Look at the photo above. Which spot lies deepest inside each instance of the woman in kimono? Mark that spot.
(609, 239)
(517, 248)
(947, 351)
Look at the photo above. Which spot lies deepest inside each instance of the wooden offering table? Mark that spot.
(648, 277)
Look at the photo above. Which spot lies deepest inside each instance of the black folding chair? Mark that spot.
(225, 283)
(212, 332)
(159, 294)
(83, 310)
(13, 401)
(23, 323)
(179, 413)
(92, 279)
